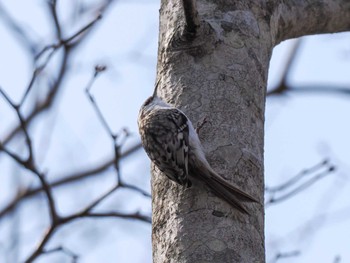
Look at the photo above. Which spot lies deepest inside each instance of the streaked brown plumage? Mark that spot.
(173, 145)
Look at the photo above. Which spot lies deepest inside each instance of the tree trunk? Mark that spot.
(220, 73)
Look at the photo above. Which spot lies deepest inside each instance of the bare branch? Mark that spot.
(283, 86)
(36, 72)
(73, 178)
(99, 200)
(137, 216)
(29, 163)
(290, 183)
(84, 214)
(48, 101)
(314, 12)
(319, 88)
(297, 177)
(18, 30)
(135, 188)
(63, 250)
(45, 55)
(98, 70)
(37, 252)
(114, 136)
(53, 11)
(284, 255)
(80, 32)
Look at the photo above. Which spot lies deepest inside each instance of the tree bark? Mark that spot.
(220, 74)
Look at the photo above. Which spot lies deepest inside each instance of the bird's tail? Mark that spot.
(227, 191)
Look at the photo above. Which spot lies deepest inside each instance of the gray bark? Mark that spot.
(221, 75)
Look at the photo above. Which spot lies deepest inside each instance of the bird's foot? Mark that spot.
(200, 124)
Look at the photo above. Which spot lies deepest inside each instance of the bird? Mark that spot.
(173, 145)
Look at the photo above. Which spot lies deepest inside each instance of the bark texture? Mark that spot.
(221, 75)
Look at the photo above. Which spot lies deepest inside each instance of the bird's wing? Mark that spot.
(177, 147)
(233, 189)
(171, 139)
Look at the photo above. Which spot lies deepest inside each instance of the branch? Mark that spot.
(290, 183)
(98, 70)
(73, 178)
(114, 136)
(45, 186)
(299, 189)
(36, 72)
(283, 86)
(63, 250)
(87, 209)
(39, 250)
(29, 162)
(19, 31)
(85, 213)
(135, 188)
(54, 16)
(319, 88)
(80, 32)
(297, 177)
(48, 101)
(68, 41)
(287, 18)
(136, 216)
(286, 255)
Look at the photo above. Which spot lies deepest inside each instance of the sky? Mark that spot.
(302, 129)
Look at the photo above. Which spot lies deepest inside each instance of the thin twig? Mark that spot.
(98, 70)
(53, 11)
(292, 56)
(81, 31)
(63, 250)
(49, 233)
(67, 44)
(85, 213)
(99, 200)
(46, 103)
(18, 30)
(29, 163)
(296, 178)
(137, 216)
(319, 88)
(135, 188)
(30, 160)
(36, 72)
(114, 136)
(284, 255)
(67, 41)
(73, 178)
(301, 187)
(282, 85)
